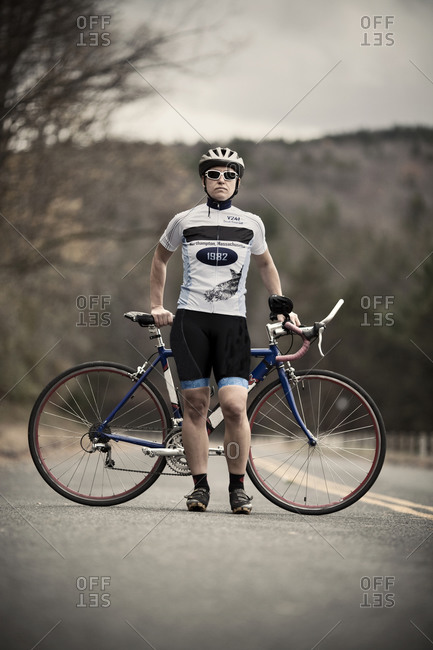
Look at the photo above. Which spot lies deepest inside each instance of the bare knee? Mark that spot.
(233, 403)
(196, 404)
(233, 411)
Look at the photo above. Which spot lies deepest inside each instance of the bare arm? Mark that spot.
(268, 272)
(158, 274)
(271, 279)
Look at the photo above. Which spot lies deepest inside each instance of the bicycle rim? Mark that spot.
(344, 463)
(60, 427)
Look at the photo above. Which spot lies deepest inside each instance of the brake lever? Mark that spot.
(320, 340)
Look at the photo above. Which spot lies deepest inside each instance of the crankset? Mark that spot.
(177, 463)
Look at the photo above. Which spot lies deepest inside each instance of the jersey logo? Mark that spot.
(224, 290)
(217, 256)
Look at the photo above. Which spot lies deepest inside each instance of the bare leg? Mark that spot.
(194, 432)
(237, 437)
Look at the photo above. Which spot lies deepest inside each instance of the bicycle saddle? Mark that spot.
(140, 317)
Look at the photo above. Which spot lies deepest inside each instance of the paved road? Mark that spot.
(148, 574)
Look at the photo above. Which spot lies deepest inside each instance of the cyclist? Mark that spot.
(209, 329)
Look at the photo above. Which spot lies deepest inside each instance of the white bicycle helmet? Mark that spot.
(221, 156)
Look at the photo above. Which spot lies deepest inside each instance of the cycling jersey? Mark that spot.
(217, 242)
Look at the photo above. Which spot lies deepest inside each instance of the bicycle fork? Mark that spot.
(312, 440)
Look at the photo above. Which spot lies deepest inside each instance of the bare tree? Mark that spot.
(65, 66)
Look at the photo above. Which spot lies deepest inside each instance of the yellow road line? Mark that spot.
(338, 489)
(402, 502)
(397, 507)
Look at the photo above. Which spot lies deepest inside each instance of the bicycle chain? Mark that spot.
(142, 471)
(176, 437)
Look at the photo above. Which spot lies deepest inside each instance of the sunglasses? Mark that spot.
(215, 175)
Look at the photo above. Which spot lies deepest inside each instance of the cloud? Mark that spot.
(273, 58)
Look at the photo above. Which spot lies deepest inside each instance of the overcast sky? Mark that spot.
(285, 69)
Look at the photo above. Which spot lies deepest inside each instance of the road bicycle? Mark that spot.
(101, 433)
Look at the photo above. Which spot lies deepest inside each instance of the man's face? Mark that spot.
(221, 189)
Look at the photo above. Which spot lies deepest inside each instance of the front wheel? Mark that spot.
(62, 434)
(344, 463)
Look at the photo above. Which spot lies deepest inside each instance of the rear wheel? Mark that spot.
(344, 463)
(62, 434)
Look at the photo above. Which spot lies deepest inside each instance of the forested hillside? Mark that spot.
(347, 216)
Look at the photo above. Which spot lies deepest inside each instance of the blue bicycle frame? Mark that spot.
(260, 371)
(258, 374)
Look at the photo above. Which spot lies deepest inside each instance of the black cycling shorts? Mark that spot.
(202, 342)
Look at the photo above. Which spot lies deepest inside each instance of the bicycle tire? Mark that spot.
(60, 422)
(340, 468)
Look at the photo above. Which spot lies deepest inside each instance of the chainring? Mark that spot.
(177, 463)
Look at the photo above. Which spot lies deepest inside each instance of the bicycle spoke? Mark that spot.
(339, 468)
(72, 410)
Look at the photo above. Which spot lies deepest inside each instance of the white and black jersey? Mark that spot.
(216, 250)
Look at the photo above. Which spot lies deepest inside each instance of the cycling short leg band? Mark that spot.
(195, 383)
(233, 381)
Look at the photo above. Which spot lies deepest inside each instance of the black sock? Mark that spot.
(236, 482)
(200, 481)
